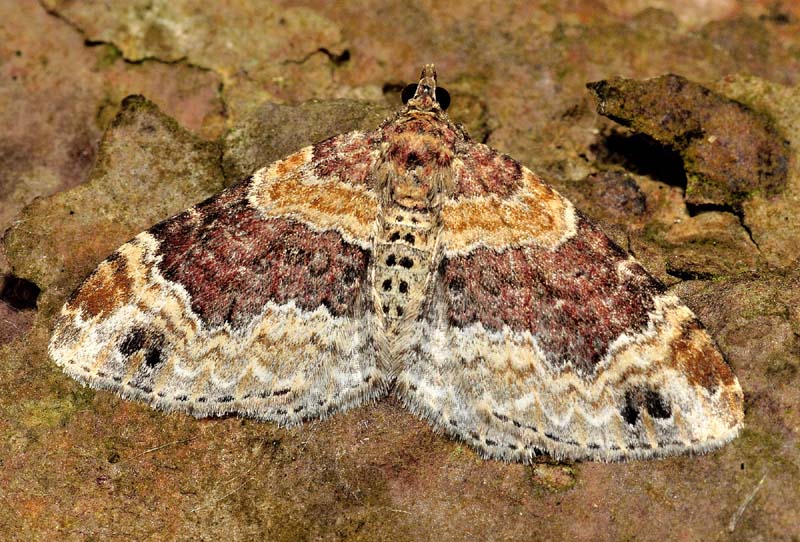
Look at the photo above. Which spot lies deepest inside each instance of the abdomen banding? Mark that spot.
(404, 254)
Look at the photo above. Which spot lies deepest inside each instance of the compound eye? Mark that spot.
(443, 97)
(408, 92)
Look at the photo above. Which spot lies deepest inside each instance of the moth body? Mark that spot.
(410, 260)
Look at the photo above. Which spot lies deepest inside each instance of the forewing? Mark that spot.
(542, 334)
(253, 302)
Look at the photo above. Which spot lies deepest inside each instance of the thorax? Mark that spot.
(414, 175)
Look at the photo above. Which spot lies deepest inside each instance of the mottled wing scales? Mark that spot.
(543, 335)
(407, 254)
(253, 302)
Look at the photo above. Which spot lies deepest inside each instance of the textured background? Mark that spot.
(229, 88)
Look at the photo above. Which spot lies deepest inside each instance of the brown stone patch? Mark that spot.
(729, 150)
(107, 288)
(698, 359)
(571, 299)
(613, 192)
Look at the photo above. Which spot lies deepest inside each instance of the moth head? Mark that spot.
(425, 95)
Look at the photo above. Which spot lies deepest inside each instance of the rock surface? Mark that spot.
(84, 465)
(730, 152)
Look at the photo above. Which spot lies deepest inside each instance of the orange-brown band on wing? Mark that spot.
(534, 215)
(108, 287)
(288, 189)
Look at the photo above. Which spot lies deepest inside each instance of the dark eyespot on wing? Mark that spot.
(656, 406)
(630, 411)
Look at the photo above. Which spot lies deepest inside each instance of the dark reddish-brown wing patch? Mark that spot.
(345, 157)
(232, 261)
(486, 171)
(572, 299)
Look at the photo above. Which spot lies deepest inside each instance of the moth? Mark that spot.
(409, 260)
